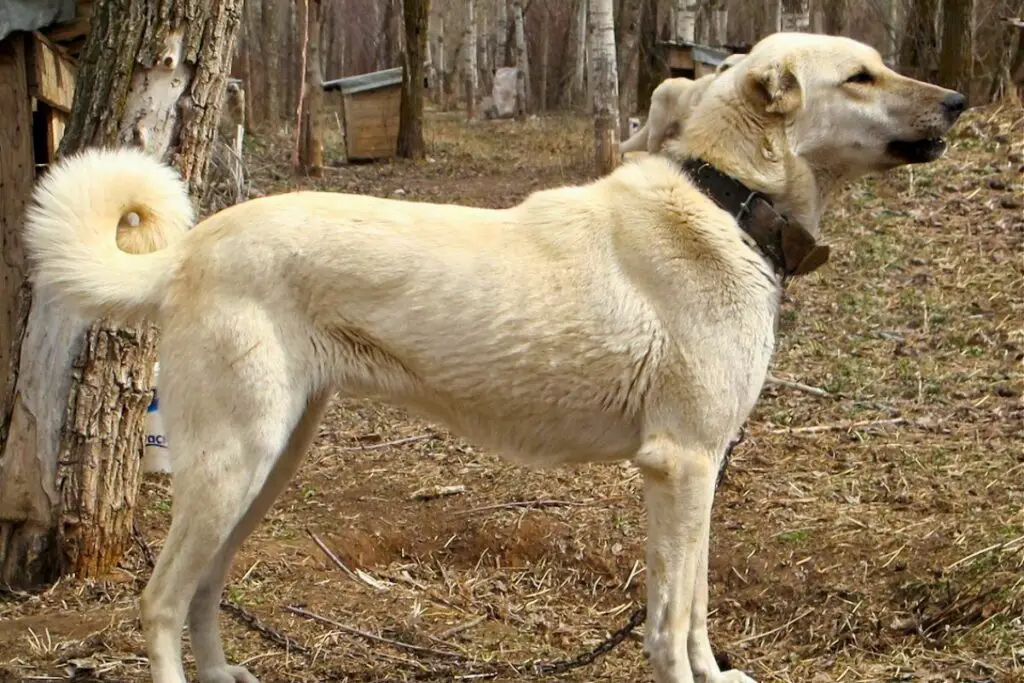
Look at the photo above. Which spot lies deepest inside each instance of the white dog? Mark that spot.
(671, 103)
(629, 318)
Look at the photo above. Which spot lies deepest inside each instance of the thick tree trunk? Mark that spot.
(652, 69)
(956, 62)
(469, 73)
(627, 37)
(920, 38)
(274, 19)
(774, 10)
(70, 467)
(410, 129)
(311, 135)
(522, 62)
(603, 84)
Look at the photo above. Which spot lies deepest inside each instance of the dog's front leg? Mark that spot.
(678, 488)
(702, 657)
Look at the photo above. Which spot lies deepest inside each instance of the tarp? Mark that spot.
(31, 15)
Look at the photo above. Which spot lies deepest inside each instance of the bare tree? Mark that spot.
(603, 84)
(469, 71)
(684, 24)
(580, 65)
(627, 40)
(796, 15)
(522, 62)
(1009, 68)
(920, 37)
(76, 406)
(310, 136)
(410, 130)
(956, 62)
(652, 69)
(501, 35)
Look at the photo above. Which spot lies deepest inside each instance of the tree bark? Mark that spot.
(603, 84)
(152, 77)
(580, 72)
(522, 62)
(410, 129)
(441, 96)
(274, 19)
(627, 37)
(684, 26)
(956, 62)
(796, 15)
(652, 70)
(311, 135)
(1009, 68)
(501, 35)
(920, 38)
(469, 72)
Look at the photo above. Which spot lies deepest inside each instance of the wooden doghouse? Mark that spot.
(371, 105)
(691, 60)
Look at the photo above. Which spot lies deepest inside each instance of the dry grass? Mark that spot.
(874, 534)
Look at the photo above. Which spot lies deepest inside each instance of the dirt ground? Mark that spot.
(869, 531)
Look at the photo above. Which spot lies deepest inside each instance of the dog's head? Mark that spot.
(841, 107)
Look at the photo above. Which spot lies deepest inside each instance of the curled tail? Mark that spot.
(100, 232)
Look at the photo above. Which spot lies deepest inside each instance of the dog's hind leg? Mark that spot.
(202, 615)
(228, 436)
(678, 488)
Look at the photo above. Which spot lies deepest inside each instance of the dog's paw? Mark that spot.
(227, 674)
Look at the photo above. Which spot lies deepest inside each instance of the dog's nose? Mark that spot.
(955, 104)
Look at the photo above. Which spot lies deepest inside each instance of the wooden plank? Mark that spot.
(56, 122)
(680, 58)
(702, 69)
(17, 174)
(51, 74)
(73, 29)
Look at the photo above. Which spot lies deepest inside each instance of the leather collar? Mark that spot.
(788, 246)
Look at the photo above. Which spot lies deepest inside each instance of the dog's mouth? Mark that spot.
(917, 151)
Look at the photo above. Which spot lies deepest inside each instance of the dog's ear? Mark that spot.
(774, 87)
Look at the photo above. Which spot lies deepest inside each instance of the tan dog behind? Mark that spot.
(629, 318)
(671, 103)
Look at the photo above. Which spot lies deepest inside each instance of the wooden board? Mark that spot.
(56, 122)
(17, 174)
(702, 69)
(679, 58)
(51, 74)
(371, 123)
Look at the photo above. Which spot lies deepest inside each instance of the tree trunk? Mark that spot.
(410, 129)
(956, 62)
(684, 26)
(70, 466)
(920, 38)
(311, 135)
(719, 34)
(1010, 60)
(775, 13)
(501, 35)
(652, 70)
(796, 15)
(835, 16)
(469, 73)
(545, 49)
(580, 70)
(274, 21)
(627, 37)
(442, 74)
(522, 62)
(603, 84)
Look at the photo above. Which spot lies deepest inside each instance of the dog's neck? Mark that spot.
(726, 132)
(785, 244)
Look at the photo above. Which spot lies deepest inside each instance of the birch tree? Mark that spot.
(580, 67)
(75, 406)
(310, 131)
(603, 84)
(522, 62)
(469, 72)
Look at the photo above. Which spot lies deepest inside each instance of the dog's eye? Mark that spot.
(863, 76)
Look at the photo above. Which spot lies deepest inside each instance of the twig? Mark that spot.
(337, 560)
(526, 504)
(797, 386)
(459, 628)
(432, 492)
(789, 623)
(994, 546)
(369, 636)
(840, 426)
(386, 444)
